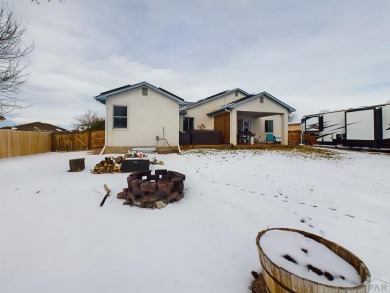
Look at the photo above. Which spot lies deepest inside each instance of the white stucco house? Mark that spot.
(234, 112)
(141, 115)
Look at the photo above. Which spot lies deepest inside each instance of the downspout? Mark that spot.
(106, 132)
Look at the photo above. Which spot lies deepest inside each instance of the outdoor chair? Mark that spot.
(269, 137)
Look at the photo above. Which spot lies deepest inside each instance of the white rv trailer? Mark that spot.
(364, 126)
(368, 126)
(328, 127)
(386, 122)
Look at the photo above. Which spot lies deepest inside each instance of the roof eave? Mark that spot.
(216, 112)
(289, 108)
(201, 102)
(102, 98)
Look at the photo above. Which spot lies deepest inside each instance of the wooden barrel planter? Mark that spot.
(280, 280)
(76, 165)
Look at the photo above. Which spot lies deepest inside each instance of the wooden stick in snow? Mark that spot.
(107, 194)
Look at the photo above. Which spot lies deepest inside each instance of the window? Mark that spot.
(269, 126)
(243, 124)
(188, 123)
(120, 116)
(247, 125)
(236, 93)
(144, 91)
(261, 99)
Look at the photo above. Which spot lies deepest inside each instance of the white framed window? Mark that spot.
(269, 126)
(243, 124)
(261, 99)
(120, 117)
(188, 123)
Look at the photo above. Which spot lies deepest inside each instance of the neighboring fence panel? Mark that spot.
(294, 137)
(77, 141)
(23, 143)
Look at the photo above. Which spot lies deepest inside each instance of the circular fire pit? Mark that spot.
(147, 190)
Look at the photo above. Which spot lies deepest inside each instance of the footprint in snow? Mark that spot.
(372, 222)
(307, 220)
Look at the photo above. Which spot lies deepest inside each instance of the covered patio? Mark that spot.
(244, 125)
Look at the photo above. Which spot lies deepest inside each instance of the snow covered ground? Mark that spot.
(54, 236)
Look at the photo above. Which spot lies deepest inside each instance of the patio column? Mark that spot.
(233, 127)
(284, 128)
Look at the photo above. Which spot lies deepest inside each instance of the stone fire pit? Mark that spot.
(147, 190)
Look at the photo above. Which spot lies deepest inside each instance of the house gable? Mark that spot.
(264, 98)
(102, 98)
(200, 109)
(143, 115)
(236, 92)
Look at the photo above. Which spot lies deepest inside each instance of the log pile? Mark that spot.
(113, 165)
(108, 165)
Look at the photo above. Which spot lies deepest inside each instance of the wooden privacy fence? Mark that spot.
(77, 141)
(23, 143)
(294, 137)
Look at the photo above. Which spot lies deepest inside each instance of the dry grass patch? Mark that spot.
(289, 150)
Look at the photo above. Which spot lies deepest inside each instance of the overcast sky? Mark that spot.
(312, 55)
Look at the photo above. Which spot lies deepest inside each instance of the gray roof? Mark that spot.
(213, 97)
(249, 98)
(102, 98)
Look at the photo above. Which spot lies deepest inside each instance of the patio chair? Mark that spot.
(269, 137)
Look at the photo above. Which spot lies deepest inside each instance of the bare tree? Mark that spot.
(13, 72)
(90, 119)
(292, 117)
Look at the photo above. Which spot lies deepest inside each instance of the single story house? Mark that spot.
(143, 115)
(236, 113)
(36, 126)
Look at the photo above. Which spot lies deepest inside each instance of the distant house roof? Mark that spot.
(102, 98)
(213, 97)
(37, 126)
(249, 98)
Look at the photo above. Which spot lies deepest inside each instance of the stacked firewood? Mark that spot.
(113, 165)
(108, 165)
